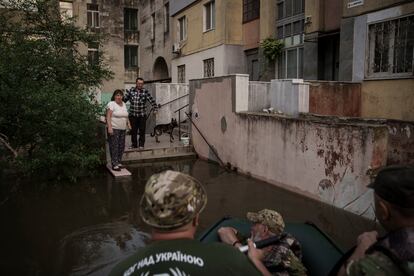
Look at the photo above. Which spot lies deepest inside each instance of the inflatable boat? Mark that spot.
(320, 253)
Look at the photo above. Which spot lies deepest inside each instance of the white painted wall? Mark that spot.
(228, 59)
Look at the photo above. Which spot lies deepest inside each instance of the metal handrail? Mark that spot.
(161, 105)
(179, 120)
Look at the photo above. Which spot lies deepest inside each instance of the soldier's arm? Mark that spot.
(377, 264)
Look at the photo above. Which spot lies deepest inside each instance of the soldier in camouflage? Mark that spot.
(392, 254)
(282, 258)
(171, 204)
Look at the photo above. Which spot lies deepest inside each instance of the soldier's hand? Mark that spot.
(254, 253)
(227, 234)
(365, 240)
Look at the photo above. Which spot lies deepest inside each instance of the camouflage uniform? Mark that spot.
(171, 200)
(393, 255)
(283, 258)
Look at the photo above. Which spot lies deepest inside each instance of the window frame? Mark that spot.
(181, 73)
(166, 17)
(182, 23)
(92, 10)
(208, 73)
(128, 15)
(209, 21)
(251, 10)
(128, 64)
(370, 51)
(93, 55)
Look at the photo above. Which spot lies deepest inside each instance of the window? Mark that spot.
(251, 10)
(130, 56)
(290, 63)
(130, 19)
(92, 15)
(183, 28)
(209, 16)
(181, 74)
(167, 18)
(93, 54)
(208, 67)
(287, 8)
(391, 47)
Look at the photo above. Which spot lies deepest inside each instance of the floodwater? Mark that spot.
(87, 227)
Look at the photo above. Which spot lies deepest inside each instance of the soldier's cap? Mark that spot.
(395, 184)
(272, 219)
(171, 199)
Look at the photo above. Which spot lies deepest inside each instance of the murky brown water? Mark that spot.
(85, 228)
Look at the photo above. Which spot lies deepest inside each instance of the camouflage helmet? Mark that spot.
(171, 199)
(270, 218)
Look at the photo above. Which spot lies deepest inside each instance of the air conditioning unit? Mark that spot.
(308, 19)
(176, 48)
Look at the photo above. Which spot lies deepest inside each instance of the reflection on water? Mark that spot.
(85, 228)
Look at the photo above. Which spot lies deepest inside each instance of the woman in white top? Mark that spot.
(117, 123)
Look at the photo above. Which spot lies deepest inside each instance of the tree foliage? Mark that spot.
(272, 48)
(48, 114)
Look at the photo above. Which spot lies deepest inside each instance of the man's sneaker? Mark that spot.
(141, 148)
(116, 168)
(132, 147)
(121, 166)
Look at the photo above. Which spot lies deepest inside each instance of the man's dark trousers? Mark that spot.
(138, 124)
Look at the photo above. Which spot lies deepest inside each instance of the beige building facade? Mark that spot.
(377, 49)
(207, 39)
(118, 21)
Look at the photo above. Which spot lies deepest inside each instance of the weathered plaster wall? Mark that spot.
(400, 142)
(335, 98)
(391, 99)
(320, 159)
(290, 96)
(369, 6)
(153, 47)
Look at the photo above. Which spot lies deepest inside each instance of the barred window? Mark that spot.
(251, 10)
(391, 48)
(92, 11)
(181, 74)
(208, 67)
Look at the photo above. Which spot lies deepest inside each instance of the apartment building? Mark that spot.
(118, 20)
(207, 39)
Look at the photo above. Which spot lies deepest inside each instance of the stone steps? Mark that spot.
(153, 154)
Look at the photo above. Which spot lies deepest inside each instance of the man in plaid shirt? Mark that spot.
(138, 97)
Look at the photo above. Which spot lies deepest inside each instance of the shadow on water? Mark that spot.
(87, 227)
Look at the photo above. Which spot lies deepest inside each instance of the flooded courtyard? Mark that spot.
(87, 227)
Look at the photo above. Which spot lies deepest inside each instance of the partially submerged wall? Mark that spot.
(327, 161)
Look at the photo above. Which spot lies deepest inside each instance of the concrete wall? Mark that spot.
(391, 99)
(335, 98)
(166, 92)
(400, 142)
(259, 96)
(228, 59)
(319, 159)
(368, 6)
(290, 96)
(267, 19)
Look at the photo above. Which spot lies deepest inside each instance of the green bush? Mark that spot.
(272, 48)
(48, 112)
